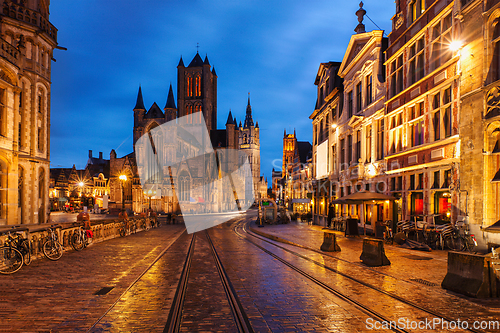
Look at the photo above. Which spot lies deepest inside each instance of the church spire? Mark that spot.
(170, 99)
(248, 117)
(139, 105)
(230, 119)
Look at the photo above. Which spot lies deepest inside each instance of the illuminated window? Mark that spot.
(369, 93)
(440, 41)
(197, 86)
(442, 115)
(380, 139)
(368, 148)
(396, 76)
(416, 61)
(358, 97)
(189, 86)
(349, 104)
(417, 7)
(396, 133)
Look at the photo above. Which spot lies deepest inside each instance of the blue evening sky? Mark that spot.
(269, 48)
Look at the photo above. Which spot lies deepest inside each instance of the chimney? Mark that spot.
(90, 153)
(100, 155)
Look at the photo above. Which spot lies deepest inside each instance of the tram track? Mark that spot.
(178, 308)
(367, 310)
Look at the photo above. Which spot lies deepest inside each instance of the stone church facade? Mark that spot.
(28, 40)
(188, 183)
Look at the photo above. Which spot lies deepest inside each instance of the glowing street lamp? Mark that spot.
(455, 45)
(123, 179)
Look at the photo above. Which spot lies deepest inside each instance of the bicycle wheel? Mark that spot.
(78, 241)
(455, 243)
(123, 232)
(52, 250)
(11, 260)
(26, 251)
(469, 244)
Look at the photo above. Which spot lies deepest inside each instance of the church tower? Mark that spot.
(289, 147)
(249, 142)
(197, 91)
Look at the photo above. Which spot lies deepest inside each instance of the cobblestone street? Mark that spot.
(131, 284)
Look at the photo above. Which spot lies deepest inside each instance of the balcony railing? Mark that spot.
(8, 51)
(29, 16)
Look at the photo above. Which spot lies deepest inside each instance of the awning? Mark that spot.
(495, 227)
(496, 178)
(301, 200)
(367, 196)
(339, 202)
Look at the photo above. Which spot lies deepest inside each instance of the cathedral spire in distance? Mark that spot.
(248, 117)
(170, 99)
(139, 105)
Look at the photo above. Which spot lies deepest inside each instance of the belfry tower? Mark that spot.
(249, 142)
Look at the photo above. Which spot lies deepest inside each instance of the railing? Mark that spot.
(8, 51)
(102, 230)
(32, 17)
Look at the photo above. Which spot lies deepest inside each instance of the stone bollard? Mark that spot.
(373, 253)
(471, 274)
(330, 242)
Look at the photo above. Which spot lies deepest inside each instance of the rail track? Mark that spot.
(174, 322)
(241, 230)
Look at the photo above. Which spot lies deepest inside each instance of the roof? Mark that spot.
(196, 62)
(139, 105)
(367, 196)
(230, 120)
(170, 99)
(305, 150)
(154, 112)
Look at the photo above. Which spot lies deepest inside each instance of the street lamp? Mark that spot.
(123, 179)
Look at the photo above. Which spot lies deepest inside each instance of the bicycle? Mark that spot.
(79, 239)
(11, 257)
(452, 238)
(388, 234)
(52, 249)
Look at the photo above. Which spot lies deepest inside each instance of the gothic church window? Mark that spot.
(189, 86)
(184, 187)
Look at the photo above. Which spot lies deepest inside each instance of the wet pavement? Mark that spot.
(142, 272)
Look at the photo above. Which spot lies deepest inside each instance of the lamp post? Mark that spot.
(123, 179)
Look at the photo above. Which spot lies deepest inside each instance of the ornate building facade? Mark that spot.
(425, 129)
(28, 40)
(189, 182)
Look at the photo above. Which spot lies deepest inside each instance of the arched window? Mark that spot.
(41, 196)
(184, 187)
(189, 86)
(197, 86)
(197, 110)
(189, 114)
(495, 43)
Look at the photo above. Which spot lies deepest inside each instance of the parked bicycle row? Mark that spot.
(19, 248)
